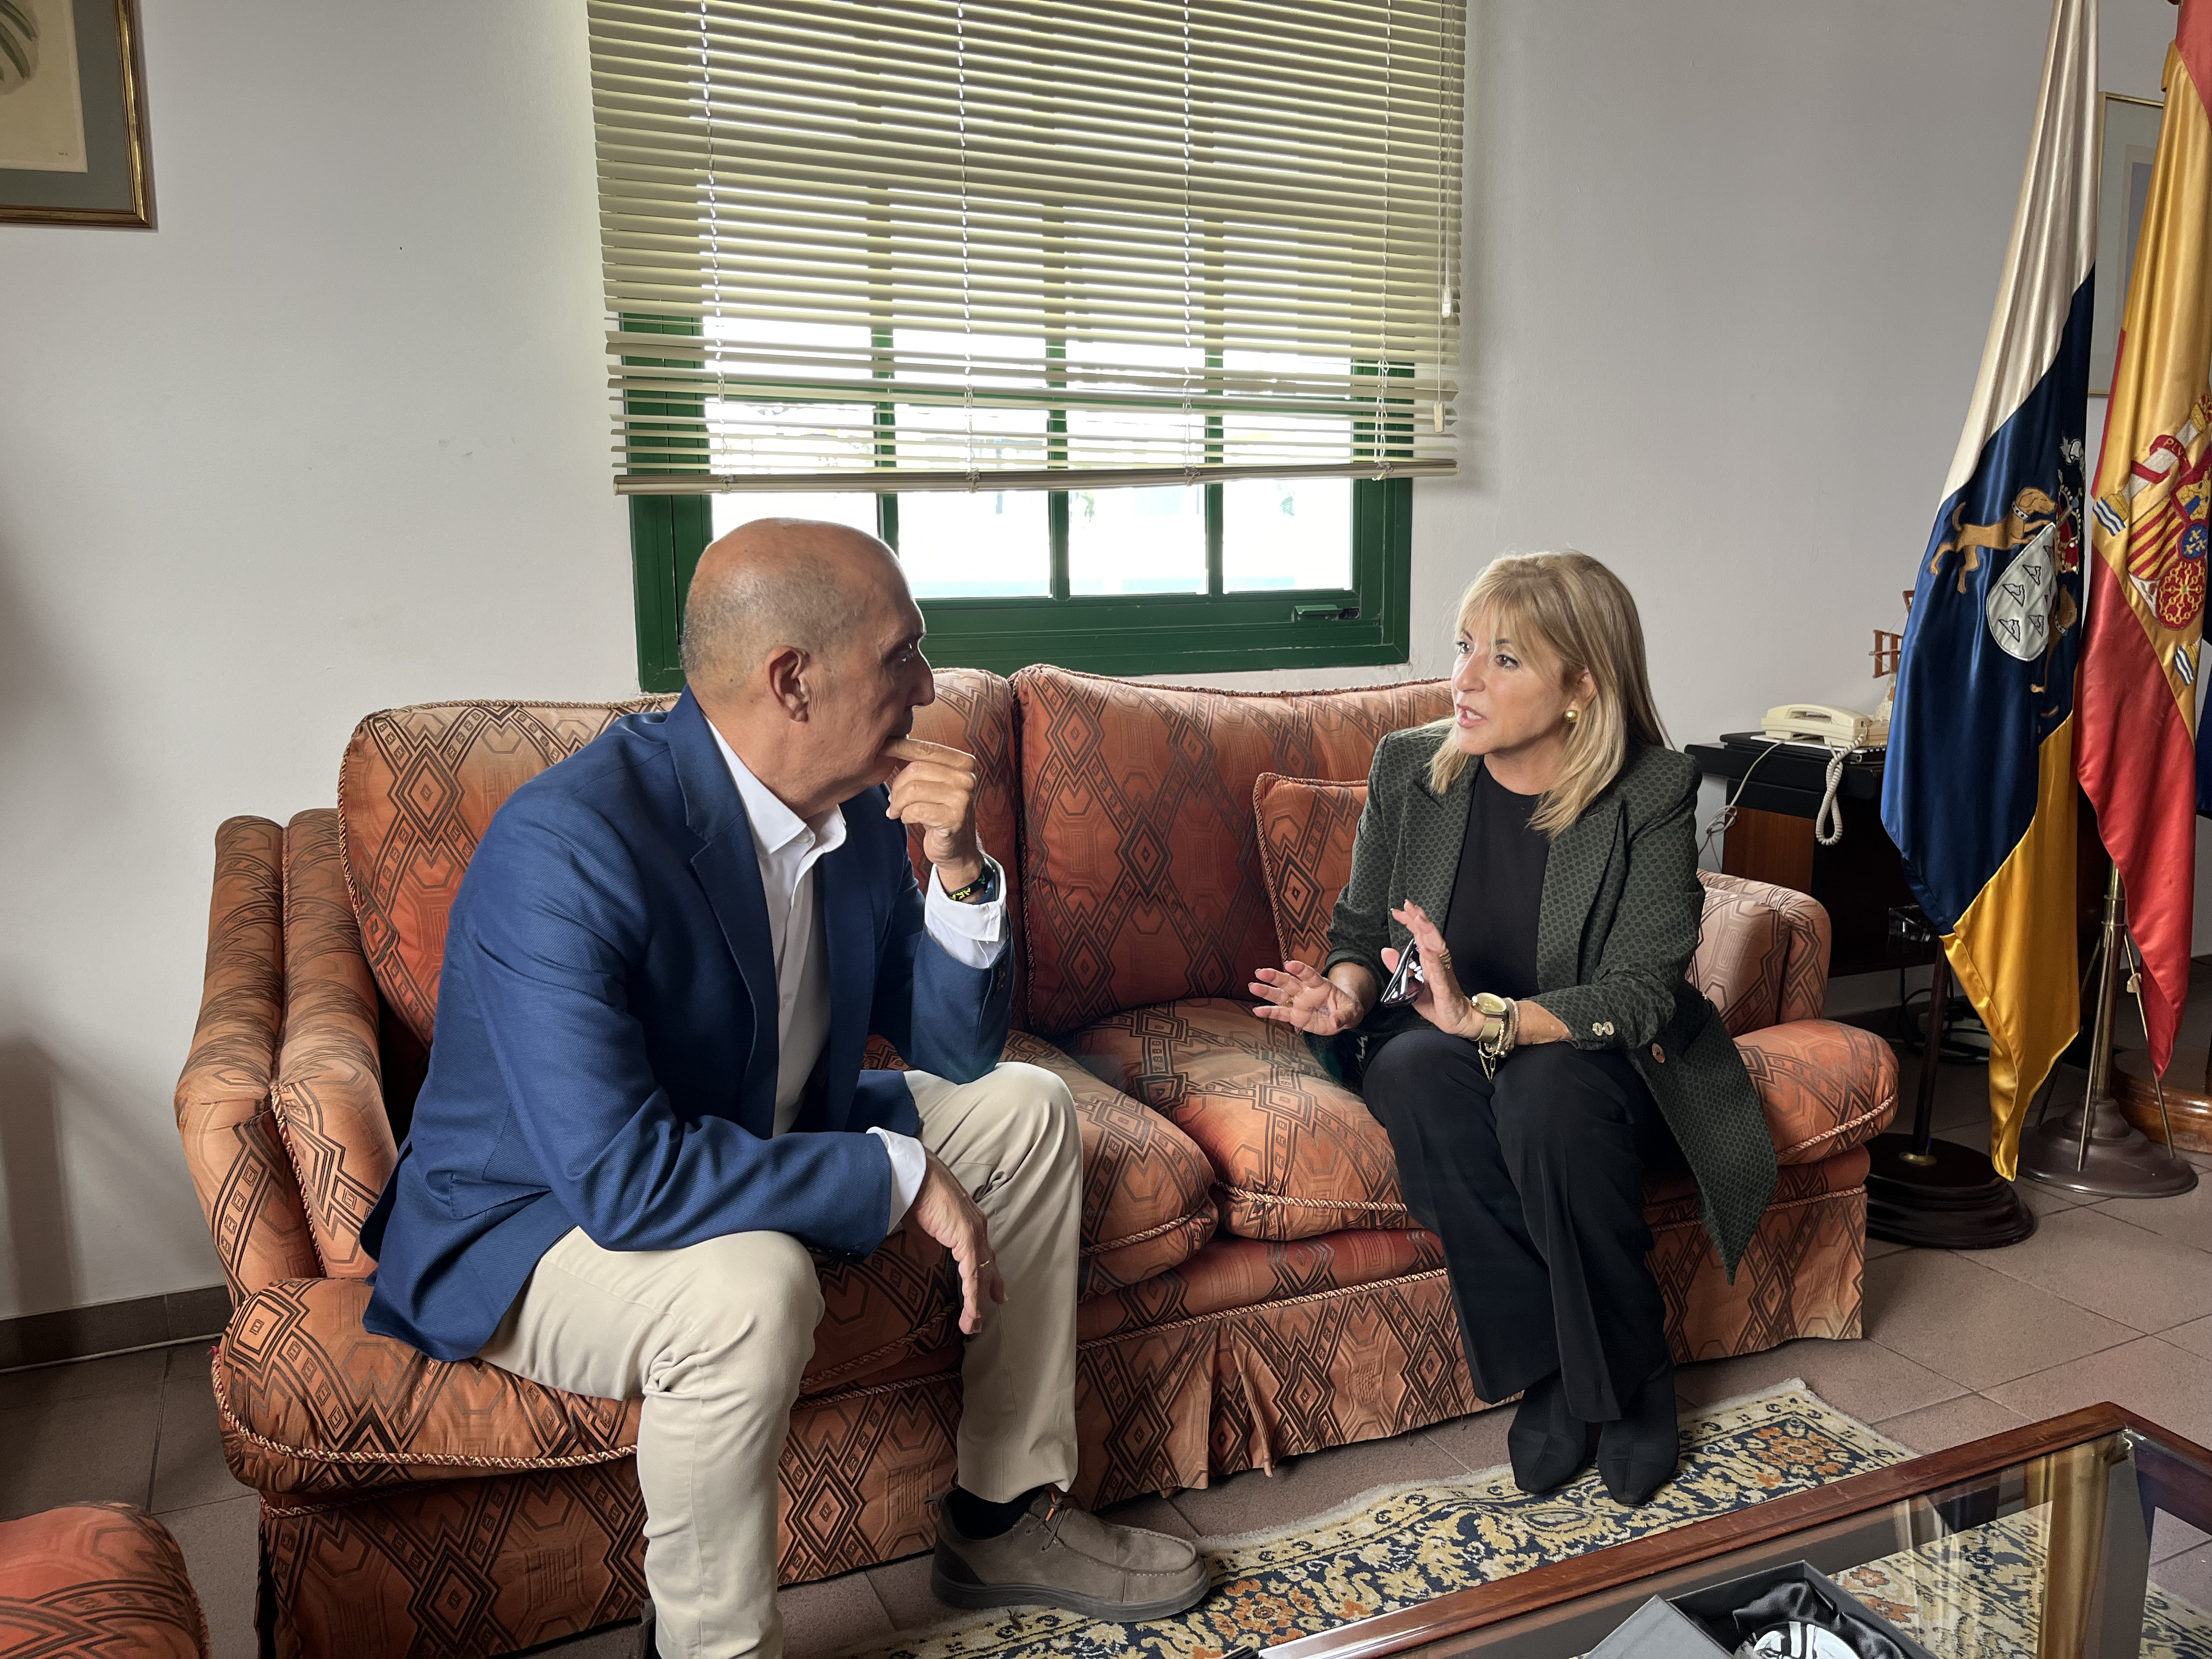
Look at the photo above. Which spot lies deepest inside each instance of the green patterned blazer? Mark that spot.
(1616, 929)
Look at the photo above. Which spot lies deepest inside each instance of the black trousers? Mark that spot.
(1534, 1182)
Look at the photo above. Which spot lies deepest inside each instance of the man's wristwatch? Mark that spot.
(1501, 1025)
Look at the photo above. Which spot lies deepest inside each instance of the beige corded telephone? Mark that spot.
(1815, 722)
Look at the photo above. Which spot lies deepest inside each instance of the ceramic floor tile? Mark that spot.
(1951, 1422)
(1305, 1486)
(1863, 1379)
(1955, 1108)
(188, 1466)
(2188, 1576)
(1878, 1248)
(1973, 1324)
(2112, 1268)
(2187, 1218)
(220, 1541)
(2171, 1535)
(117, 1374)
(98, 1449)
(828, 1617)
(1476, 1442)
(2152, 1378)
(2196, 1336)
(2050, 1200)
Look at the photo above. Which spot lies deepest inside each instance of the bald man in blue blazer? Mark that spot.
(645, 1115)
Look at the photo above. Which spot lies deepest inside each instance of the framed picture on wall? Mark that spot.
(73, 114)
(2127, 144)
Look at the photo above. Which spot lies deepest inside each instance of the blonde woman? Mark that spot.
(1537, 850)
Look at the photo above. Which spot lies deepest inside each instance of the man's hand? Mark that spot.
(944, 1211)
(934, 786)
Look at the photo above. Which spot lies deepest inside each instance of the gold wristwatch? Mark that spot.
(1500, 1021)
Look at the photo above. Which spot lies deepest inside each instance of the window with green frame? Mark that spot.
(1218, 629)
(1128, 330)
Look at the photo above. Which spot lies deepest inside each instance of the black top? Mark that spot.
(1490, 929)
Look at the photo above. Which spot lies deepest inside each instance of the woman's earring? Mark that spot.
(1573, 715)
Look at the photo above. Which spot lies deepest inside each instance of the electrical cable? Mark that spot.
(1726, 816)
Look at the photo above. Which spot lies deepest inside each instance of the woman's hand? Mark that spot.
(1438, 998)
(1294, 994)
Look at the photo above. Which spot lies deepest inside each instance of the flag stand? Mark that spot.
(1933, 1193)
(2093, 1148)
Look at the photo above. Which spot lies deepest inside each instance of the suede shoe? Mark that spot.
(1638, 1452)
(1058, 1556)
(1549, 1444)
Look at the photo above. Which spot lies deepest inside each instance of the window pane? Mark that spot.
(837, 507)
(1136, 541)
(1286, 533)
(962, 544)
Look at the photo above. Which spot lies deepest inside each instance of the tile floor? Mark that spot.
(2110, 1300)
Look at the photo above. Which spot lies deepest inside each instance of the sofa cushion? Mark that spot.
(415, 789)
(1140, 860)
(1242, 1272)
(418, 784)
(1296, 1153)
(1147, 1189)
(1306, 830)
(96, 1579)
(310, 1401)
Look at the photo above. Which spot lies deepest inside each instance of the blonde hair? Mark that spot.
(1567, 612)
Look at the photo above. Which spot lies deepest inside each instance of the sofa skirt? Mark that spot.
(493, 1564)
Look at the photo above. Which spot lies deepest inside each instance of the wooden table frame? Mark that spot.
(2174, 1475)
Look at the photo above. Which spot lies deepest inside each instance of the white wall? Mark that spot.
(333, 438)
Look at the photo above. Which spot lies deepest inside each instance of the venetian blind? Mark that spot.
(936, 243)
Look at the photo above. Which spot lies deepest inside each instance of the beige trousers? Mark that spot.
(714, 1338)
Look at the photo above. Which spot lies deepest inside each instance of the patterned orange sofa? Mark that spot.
(1252, 1288)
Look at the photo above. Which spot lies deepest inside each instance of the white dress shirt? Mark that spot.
(789, 847)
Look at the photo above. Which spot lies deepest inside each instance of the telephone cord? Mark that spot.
(1828, 822)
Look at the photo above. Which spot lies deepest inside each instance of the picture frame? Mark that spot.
(73, 147)
(2127, 145)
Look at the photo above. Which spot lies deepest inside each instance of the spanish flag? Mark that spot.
(2147, 523)
(1978, 788)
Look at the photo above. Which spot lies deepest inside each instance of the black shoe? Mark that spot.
(1638, 1454)
(1549, 1445)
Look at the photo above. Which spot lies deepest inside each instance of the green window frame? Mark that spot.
(1218, 631)
(1214, 632)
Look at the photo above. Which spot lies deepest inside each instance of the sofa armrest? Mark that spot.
(330, 1092)
(1824, 1087)
(232, 1147)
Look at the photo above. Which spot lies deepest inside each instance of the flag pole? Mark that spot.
(2093, 1148)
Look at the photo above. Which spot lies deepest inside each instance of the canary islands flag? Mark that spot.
(1978, 788)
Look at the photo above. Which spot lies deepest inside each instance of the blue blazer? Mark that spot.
(605, 1054)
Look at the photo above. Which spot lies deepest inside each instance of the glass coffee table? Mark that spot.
(2034, 1543)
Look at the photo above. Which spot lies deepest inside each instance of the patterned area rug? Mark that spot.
(1973, 1594)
